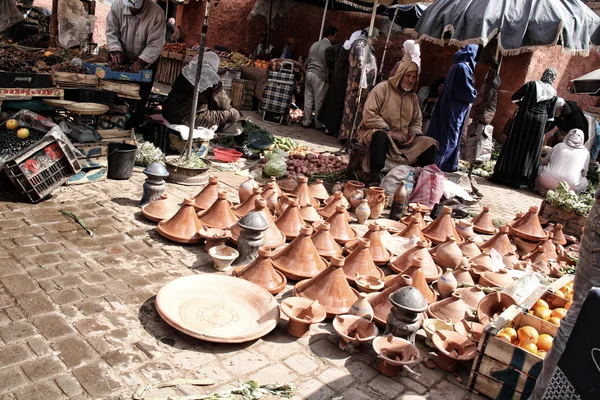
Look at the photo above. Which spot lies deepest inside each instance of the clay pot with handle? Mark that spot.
(352, 187)
(376, 200)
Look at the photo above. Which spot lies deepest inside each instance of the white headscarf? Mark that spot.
(353, 38)
(560, 102)
(413, 51)
(575, 139)
(209, 76)
(171, 21)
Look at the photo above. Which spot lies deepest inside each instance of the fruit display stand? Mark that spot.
(572, 223)
(502, 370)
(169, 66)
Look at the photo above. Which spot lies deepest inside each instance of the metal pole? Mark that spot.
(323, 21)
(167, 10)
(54, 24)
(363, 72)
(269, 27)
(387, 41)
(188, 149)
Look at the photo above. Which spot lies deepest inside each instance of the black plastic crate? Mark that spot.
(91, 96)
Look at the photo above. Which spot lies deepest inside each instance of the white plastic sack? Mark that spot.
(74, 23)
(452, 190)
(199, 132)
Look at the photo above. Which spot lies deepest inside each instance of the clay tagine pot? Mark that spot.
(493, 305)
(303, 193)
(310, 215)
(380, 254)
(465, 229)
(394, 353)
(453, 348)
(415, 271)
(359, 262)
(471, 295)
(245, 190)
(262, 272)
(431, 326)
(482, 260)
(528, 227)
(219, 215)
(499, 241)
(441, 227)
(271, 196)
(300, 259)
(414, 229)
(272, 236)
(469, 248)
(550, 248)
(470, 329)
(207, 196)
(340, 229)
(183, 227)
(160, 209)
(284, 202)
(368, 284)
(524, 247)
(249, 204)
(451, 309)
(463, 276)
(330, 208)
(558, 237)
(448, 254)
(290, 222)
(288, 185)
(382, 306)
(431, 271)
(483, 222)
(334, 197)
(214, 237)
(330, 287)
(418, 213)
(499, 279)
(301, 313)
(325, 243)
(354, 329)
(510, 260)
(318, 190)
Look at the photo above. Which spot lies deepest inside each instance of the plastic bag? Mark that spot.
(392, 180)
(74, 23)
(429, 188)
(80, 133)
(479, 144)
(199, 132)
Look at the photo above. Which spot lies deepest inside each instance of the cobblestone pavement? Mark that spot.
(77, 315)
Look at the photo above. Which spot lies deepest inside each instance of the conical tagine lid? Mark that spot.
(550, 248)
(261, 272)
(272, 236)
(183, 227)
(528, 226)
(160, 209)
(248, 205)
(309, 214)
(414, 229)
(291, 221)
(469, 248)
(401, 263)
(441, 227)
(330, 288)
(499, 241)
(418, 279)
(329, 209)
(418, 214)
(303, 193)
(451, 309)
(359, 262)
(325, 243)
(340, 229)
(381, 303)
(208, 195)
(483, 222)
(381, 255)
(558, 235)
(220, 214)
(299, 260)
(318, 190)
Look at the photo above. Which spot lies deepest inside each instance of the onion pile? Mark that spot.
(311, 164)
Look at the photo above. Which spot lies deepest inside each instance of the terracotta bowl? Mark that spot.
(453, 348)
(218, 308)
(431, 326)
(354, 329)
(223, 257)
(302, 313)
(368, 284)
(394, 353)
(390, 225)
(492, 305)
(470, 329)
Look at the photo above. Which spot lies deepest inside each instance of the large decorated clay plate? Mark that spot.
(218, 308)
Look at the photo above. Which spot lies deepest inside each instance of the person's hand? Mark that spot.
(117, 58)
(411, 138)
(137, 66)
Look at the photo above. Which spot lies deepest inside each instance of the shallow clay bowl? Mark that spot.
(492, 305)
(368, 283)
(390, 225)
(218, 308)
(302, 313)
(470, 329)
(353, 328)
(455, 345)
(431, 326)
(396, 351)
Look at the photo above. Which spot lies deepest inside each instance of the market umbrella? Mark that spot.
(521, 25)
(406, 15)
(587, 84)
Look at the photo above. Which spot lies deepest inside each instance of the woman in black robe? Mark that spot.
(520, 155)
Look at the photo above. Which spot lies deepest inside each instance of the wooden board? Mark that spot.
(560, 283)
(115, 133)
(129, 90)
(90, 150)
(512, 378)
(93, 162)
(90, 176)
(68, 79)
(492, 389)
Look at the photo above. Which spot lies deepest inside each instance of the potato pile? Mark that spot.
(311, 164)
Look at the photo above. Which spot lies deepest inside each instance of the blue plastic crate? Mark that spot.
(104, 72)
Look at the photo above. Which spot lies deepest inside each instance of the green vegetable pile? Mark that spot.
(566, 199)
(193, 162)
(147, 154)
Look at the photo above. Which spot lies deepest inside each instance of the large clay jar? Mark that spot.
(414, 229)
(463, 276)
(446, 284)
(418, 280)
(246, 189)
(362, 308)
(220, 214)
(451, 309)
(299, 260)
(448, 254)
(492, 305)
(160, 209)
(469, 248)
(381, 255)
(262, 272)
(558, 237)
(330, 288)
(359, 262)
(472, 295)
(329, 209)
(325, 243)
(495, 279)
(376, 200)
(207, 196)
(183, 227)
(528, 227)
(273, 236)
(362, 212)
(356, 198)
(352, 187)
(483, 223)
(340, 229)
(303, 193)
(441, 227)
(290, 222)
(382, 306)
(271, 195)
(401, 263)
(248, 204)
(318, 190)
(499, 241)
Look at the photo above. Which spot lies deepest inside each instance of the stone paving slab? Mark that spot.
(77, 315)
